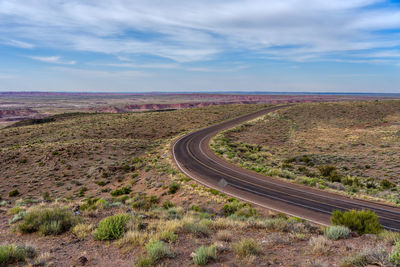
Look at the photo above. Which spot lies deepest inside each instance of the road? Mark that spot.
(194, 157)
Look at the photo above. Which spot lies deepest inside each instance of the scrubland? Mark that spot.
(101, 190)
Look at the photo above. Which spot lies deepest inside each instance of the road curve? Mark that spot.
(195, 158)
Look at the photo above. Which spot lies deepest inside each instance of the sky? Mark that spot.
(202, 45)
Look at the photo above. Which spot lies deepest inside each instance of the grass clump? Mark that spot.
(135, 238)
(376, 256)
(204, 254)
(362, 222)
(246, 247)
(122, 191)
(225, 236)
(11, 254)
(394, 257)
(168, 236)
(158, 250)
(336, 232)
(320, 245)
(48, 221)
(82, 230)
(112, 227)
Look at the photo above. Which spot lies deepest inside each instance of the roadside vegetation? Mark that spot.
(350, 148)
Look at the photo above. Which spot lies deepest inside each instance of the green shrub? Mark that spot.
(386, 184)
(336, 232)
(204, 254)
(123, 191)
(173, 187)
(112, 227)
(362, 222)
(168, 204)
(330, 172)
(247, 212)
(168, 236)
(48, 221)
(15, 210)
(10, 254)
(13, 193)
(142, 202)
(157, 250)
(394, 257)
(246, 247)
(144, 262)
(231, 208)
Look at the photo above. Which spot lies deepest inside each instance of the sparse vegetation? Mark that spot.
(246, 247)
(12, 253)
(47, 221)
(204, 254)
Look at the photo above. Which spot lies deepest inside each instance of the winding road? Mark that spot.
(195, 158)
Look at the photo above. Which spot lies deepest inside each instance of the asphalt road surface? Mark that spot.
(195, 158)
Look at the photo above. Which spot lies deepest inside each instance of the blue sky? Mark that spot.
(203, 45)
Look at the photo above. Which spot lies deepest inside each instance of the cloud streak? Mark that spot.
(187, 31)
(53, 60)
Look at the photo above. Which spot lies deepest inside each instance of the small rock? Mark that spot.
(192, 255)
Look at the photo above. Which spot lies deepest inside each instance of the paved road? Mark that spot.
(195, 158)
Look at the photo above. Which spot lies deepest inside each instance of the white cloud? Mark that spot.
(53, 59)
(186, 31)
(19, 44)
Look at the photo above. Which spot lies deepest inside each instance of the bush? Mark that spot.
(224, 235)
(82, 230)
(112, 227)
(48, 221)
(362, 222)
(157, 250)
(168, 236)
(10, 254)
(246, 247)
(204, 254)
(336, 232)
(376, 256)
(13, 193)
(394, 257)
(167, 204)
(173, 187)
(123, 191)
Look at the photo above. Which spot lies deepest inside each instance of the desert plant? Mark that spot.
(362, 222)
(376, 256)
(82, 230)
(336, 232)
(48, 221)
(224, 235)
(135, 238)
(246, 247)
(390, 237)
(122, 191)
(319, 245)
(12, 253)
(394, 257)
(112, 227)
(168, 236)
(204, 254)
(13, 193)
(157, 250)
(173, 187)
